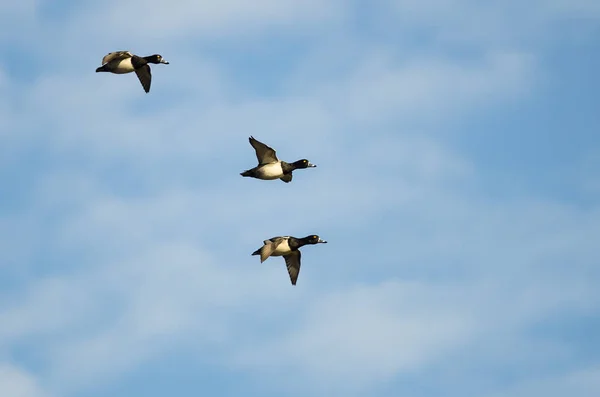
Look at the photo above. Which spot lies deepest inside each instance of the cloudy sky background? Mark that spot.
(457, 184)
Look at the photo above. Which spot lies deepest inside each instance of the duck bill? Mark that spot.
(311, 165)
(322, 241)
(163, 61)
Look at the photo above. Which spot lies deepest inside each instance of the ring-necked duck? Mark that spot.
(270, 167)
(288, 247)
(122, 62)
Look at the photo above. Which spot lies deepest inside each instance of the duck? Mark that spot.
(288, 247)
(270, 167)
(121, 62)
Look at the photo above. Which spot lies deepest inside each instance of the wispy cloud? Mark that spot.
(582, 383)
(18, 383)
(126, 230)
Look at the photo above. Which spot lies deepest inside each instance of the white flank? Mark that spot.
(124, 66)
(271, 171)
(282, 249)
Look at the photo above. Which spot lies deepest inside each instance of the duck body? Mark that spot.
(269, 171)
(123, 62)
(277, 170)
(121, 66)
(289, 248)
(270, 167)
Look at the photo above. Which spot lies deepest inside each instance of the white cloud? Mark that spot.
(348, 340)
(579, 383)
(11, 11)
(157, 21)
(161, 259)
(15, 382)
(121, 310)
(428, 90)
(356, 338)
(376, 91)
(507, 23)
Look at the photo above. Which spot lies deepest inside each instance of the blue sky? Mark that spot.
(457, 184)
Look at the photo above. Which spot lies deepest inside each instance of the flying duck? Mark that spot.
(288, 247)
(270, 167)
(122, 62)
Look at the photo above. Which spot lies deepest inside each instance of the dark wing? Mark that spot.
(269, 247)
(292, 262)
(116, 55)
(145, 77)
(287, 178)
(264, 154)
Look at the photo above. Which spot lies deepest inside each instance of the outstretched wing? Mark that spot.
(269, 247)
(116, 55)
(264, 153)
(292, 261)
(145, 76)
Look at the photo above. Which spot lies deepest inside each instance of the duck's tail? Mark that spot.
(247, 173)
(257, 252)
(101, 69)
